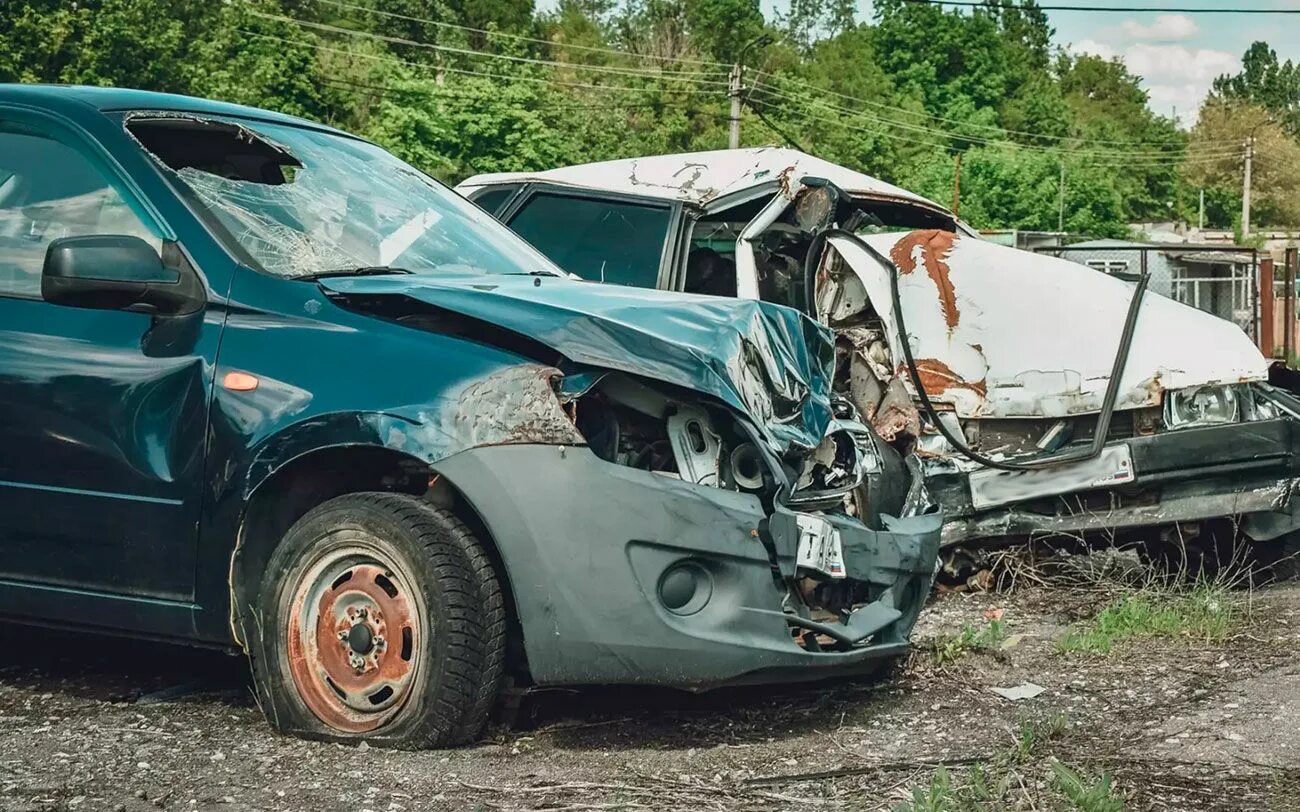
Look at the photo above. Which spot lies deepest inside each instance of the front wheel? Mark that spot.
(380, 618)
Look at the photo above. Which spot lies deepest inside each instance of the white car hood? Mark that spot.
(999, 332)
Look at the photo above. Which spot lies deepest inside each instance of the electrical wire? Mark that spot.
(393, 60)
(843, 116)
(521, 38)
(1108, 9)
(385, 92)
(990, 127)
(1158, 154)
(699, 78)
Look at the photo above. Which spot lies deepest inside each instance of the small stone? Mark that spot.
(364, 746)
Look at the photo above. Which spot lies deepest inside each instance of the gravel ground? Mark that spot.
(99, 724)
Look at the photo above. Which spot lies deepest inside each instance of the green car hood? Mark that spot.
(771, 363)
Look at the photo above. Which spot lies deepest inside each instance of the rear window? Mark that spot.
(601, 240)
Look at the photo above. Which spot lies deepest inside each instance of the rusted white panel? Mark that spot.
(700, 177)
(1006, 333)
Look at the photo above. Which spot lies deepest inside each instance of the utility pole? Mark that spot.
(1245, 186)
(1200, 218)
(733, 137)
(1060, 202)
(956, 187)
(735, 84)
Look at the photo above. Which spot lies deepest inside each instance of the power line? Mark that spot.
(1107, 9)
(610, 69)
(393, 60)
(522, 38)
(454, 94)
(846, 117)
(932, 117)
(1116, 154)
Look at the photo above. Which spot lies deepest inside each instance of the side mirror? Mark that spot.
(116, 272)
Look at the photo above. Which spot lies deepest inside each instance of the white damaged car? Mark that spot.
(1028, 395)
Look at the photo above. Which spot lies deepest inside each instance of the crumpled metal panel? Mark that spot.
(700, 177)
(998, 332)
(770, 363)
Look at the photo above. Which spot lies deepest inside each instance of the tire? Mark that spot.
(1278, 560)
(380, 618)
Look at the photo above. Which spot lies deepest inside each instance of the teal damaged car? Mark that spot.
(265, 387)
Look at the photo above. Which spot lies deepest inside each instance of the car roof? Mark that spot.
(699, 177)
(118, 99)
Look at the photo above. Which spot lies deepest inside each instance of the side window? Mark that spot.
(48, 190)
(601, 240)
(492, 198)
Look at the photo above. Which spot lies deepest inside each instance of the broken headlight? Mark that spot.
(1202, 406)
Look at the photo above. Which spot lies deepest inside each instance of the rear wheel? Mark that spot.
(381, 618)
(1279, 559)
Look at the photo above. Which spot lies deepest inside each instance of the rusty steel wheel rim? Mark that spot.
(354, 636)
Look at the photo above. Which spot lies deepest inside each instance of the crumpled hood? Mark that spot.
(770, 363)
(1000, 332)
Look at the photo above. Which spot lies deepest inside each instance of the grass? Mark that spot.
(1005, 780)
(1205, 612)
(949, 648)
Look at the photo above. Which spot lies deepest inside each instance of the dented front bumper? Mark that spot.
(1248, 470)
(624, 576)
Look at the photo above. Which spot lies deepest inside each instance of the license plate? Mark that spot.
(820, 547)
(1114, 466)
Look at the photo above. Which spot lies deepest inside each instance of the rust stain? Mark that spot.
(937, 377)
(935, 247)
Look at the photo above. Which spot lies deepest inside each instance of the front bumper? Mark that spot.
(588, 546)
(1250, 470)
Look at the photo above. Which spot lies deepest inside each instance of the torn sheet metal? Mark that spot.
(770, 363)
(701, 177)
(998, 332)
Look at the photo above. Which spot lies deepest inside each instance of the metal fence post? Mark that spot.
(1288, 298)
(1267, 340)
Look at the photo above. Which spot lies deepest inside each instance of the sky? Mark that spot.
(1176, 54)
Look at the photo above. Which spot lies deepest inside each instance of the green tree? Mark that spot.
(1266, 82)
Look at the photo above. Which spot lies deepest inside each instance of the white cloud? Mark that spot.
(1165, 27)
(1091, 47)
(1176, 76)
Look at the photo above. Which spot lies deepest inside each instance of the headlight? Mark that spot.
(1202, 406)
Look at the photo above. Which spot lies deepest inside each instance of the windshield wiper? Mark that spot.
(367, 270)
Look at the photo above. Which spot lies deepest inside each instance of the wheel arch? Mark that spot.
(287, 493)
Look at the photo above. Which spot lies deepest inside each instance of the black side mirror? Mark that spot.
(116, 272)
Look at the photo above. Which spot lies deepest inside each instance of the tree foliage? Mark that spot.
(898, 96)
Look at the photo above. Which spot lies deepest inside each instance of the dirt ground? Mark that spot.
(96, 724)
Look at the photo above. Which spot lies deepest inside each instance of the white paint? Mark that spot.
(1042, 332)
(699, 177)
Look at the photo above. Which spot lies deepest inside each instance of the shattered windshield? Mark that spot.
(302, 202)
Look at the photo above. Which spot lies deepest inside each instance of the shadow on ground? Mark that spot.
(121, 670)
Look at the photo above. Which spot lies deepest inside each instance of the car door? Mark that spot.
(614, 239)
(103, 413)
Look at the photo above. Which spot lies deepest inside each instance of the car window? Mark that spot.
(601, 240)
(492, 198)
(296, 201)
(48, 190)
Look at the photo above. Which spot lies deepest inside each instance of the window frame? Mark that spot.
(70, 134)
(672, 236)
(512, 189)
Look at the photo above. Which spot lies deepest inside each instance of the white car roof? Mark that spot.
(699, 177)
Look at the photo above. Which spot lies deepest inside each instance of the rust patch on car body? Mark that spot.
(935, 247)
(937, 377)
